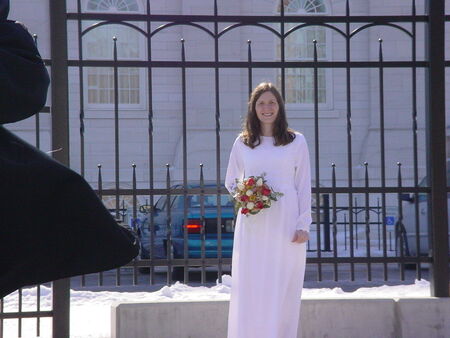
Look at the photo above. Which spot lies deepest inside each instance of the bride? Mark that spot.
(269, 252)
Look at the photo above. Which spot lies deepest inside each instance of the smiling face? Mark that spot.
(267, 108)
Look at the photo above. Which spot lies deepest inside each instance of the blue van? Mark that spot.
(193, 223)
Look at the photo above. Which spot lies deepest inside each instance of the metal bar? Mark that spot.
(400, 230)
(1, 316)
(203, 222)
(116, 138)
(218, 145)
(379, 222)
(382, 153)
(282, 51)
(37, 116)
(185, 187)
(169, 228)
(435, 139)
(135, 272)
(246, 64)
(415, 147)
(317, 163)
(310, 260)
(323, 190)
(100, 196)
(367, 219)
(380, 19)
(81, 89)
(150, 145)
(249, 65)
(335, 247)
(326, 222)
(60, 140)
(38, 309)
(19, 327)
(349, 135)
(356, 222)
(26, 314)
(61, 308)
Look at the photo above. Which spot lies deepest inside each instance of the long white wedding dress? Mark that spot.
(267, 268)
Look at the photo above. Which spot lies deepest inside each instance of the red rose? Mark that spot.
(259, 205)
(244, 211)
(266, 192)
(251, 181)
(244, 198)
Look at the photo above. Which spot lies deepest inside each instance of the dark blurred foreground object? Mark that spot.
(23, 77)
(4, 9)
(52, 224)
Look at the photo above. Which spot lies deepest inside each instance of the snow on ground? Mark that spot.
(91, 311)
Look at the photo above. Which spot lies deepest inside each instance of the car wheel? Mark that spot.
(406, 252)
(143, 269)
(177, 271)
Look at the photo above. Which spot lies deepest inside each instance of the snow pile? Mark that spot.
(91, 311)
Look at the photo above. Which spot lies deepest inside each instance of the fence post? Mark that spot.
(326, 222)
(435, 139)
(60, 142)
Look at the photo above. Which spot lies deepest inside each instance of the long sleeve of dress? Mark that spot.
(303, 186)
(235, 167)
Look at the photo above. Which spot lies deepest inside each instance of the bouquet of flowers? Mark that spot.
(253, 194)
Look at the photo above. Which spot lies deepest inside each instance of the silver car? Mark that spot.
(409, 220)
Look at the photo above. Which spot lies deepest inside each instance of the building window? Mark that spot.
(113, 6)
(299, 82)
(98, 45)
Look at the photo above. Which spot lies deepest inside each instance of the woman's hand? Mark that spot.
(300, 236)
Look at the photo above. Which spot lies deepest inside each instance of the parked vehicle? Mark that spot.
(409, 223)
(196, 227)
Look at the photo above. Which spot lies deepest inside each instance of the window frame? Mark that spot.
(328, 104)
(142, 72)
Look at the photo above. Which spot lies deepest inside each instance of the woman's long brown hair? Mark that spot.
(251, 129)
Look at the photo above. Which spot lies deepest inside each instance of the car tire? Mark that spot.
(143, 269)
(178, 273)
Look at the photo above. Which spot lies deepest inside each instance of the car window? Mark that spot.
(210, 201)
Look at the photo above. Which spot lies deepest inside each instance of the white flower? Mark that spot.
(250, 205)
(265, 198)
(249, 192)
(259, 182)
(241, 186)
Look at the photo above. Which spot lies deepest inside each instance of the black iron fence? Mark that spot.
(341, 236)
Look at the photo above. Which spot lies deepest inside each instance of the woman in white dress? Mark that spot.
(269, 253)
